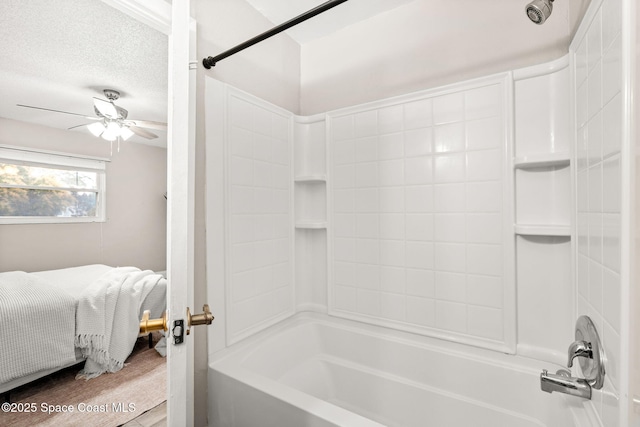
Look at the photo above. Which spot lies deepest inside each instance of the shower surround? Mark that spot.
(444, 218)
(415, 210)
(420, 196)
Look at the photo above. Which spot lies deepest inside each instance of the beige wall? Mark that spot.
(269, 70)
(427, 44)
(135, 230)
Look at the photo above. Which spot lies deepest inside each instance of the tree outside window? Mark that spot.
(37, 190)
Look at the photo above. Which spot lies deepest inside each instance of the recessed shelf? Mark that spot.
(311, 178)
(542, 230)
(559, 159)
(315, 225)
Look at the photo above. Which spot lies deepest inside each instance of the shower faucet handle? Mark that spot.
(579, 349)
(587, 346)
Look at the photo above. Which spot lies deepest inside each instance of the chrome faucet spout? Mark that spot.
(562, 382)
(579, 349)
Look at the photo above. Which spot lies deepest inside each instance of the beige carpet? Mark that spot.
(106, 401)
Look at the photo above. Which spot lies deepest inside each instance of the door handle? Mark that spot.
(204, 318)
(149, 325)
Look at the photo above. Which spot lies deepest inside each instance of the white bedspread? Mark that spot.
(37, 324)
(107, 323)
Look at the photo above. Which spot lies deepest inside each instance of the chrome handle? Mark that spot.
(592, 364)
(579, 349)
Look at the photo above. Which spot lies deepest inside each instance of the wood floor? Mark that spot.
(156, 417)
(144, 370)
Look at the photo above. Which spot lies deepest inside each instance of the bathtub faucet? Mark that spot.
(563, 382)
(589, 352)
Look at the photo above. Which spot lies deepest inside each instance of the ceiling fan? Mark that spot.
(111, 121)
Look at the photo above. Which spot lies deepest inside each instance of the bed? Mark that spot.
(45, 327)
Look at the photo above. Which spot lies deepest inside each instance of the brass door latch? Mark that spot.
(204, 318)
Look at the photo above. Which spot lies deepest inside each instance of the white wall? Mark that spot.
(269, 70)
(602, 186)
(259, 284)
(634, 410)
(135, 230)
(420, 213)
(426, 44)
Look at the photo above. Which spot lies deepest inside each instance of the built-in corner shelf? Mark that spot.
(559, 159)
(543, 230)
(311, 225)
(311, 178)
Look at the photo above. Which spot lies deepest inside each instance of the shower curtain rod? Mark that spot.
(211, 60)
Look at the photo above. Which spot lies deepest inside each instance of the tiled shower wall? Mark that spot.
(259, 288)
(599, 111)
(419, 202)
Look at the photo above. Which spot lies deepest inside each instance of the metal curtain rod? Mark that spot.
(211, 60)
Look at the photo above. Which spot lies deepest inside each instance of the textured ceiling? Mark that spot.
(58, 54)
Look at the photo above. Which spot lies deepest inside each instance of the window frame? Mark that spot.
(50, 159)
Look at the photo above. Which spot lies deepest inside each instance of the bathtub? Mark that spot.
(316, 370)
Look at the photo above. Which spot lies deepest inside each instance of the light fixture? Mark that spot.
(96, 128)
(125, 133)
(112, 132)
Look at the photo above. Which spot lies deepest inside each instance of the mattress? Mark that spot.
(74, 281)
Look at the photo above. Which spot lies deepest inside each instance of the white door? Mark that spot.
(174, 20)
(180, 213)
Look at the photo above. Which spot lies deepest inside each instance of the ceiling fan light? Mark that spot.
(126, 133)
(96, 128)
(113, 127)
(112, 132)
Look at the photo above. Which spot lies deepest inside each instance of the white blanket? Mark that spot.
(107, 323)
(37, 323)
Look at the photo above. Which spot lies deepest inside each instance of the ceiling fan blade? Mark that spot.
(106, 108)
(78, 126)
(142, 132)
(149, 124)
(59, 111)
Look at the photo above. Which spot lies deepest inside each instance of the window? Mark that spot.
(45, 187)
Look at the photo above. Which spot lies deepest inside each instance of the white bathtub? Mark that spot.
(315, 370)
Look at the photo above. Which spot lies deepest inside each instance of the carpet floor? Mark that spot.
(106, 401)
